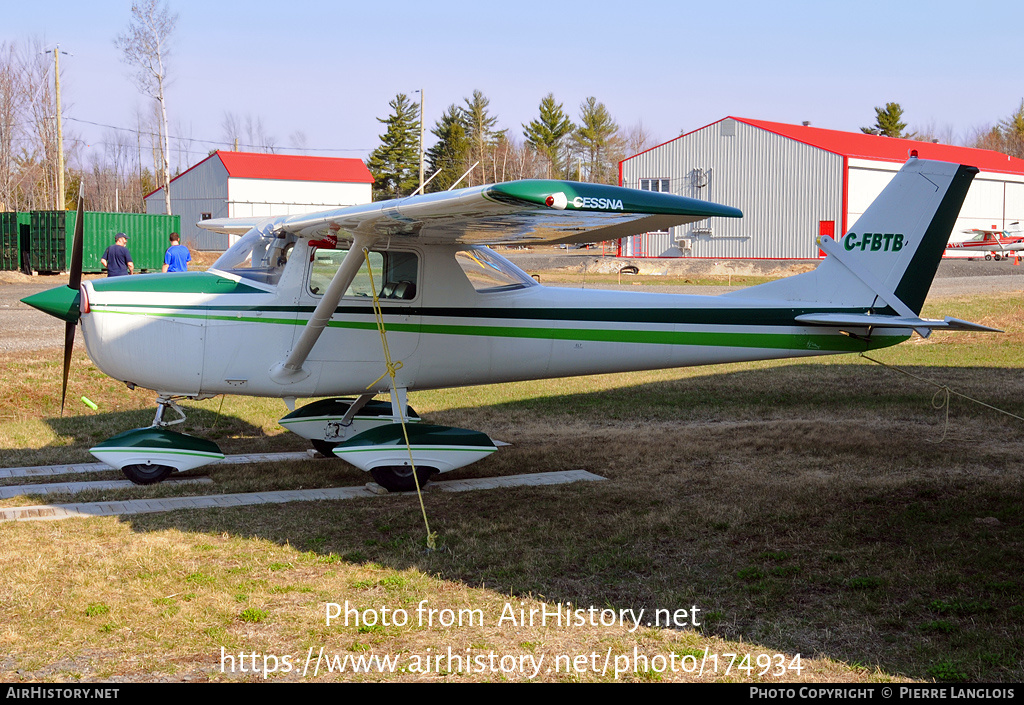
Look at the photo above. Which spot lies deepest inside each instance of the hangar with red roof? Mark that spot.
(245, 184)
(795, 182)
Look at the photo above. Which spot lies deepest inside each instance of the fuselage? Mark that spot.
(221, 332)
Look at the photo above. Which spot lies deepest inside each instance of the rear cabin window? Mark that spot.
(394, 274)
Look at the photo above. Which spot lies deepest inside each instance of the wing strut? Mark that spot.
(290, 370)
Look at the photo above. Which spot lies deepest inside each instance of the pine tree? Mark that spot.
(889, 123)
(395, 163)
(480, 132)
(450, 153)
(547, 134)
(597, 143)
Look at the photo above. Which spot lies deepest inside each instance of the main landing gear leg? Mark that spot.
(148, 455)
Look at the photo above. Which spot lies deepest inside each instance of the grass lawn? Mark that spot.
(818, 508)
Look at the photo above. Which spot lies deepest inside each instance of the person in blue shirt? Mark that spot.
(117, 259)
(177, 257)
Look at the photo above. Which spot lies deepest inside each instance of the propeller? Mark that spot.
(74, 283)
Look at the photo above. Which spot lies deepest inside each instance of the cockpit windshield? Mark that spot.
(259, 256)
(488, 271)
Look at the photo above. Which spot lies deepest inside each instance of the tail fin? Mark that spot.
(890, 256)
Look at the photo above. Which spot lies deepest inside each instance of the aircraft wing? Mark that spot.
(510, 213)
(232, 226)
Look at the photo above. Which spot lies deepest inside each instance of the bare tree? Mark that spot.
(183, 145)
(231, 129)
(12, 98)
(144, 45)
(114, 183)
(637, 138)
(247, 133)
(39, 177)
(259, 139)
(932, 132)
(298, 141)
(987, 137)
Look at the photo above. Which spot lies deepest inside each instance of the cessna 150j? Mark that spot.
(289, 311)
(988, 243)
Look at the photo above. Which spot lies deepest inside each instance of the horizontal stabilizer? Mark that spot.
(863, 320)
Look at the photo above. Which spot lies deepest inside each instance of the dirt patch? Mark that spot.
(16, 278)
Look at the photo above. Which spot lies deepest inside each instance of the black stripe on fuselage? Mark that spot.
(682, 316)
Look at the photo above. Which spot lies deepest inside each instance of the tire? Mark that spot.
(325, 448)
(398, 478)
(988, 258)
(146, 474)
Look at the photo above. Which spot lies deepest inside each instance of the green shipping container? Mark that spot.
(52, 234)
(14, 237)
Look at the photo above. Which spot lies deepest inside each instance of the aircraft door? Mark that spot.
(251, 316)
(350, 348)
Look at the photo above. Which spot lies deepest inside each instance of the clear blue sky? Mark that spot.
(330, 68)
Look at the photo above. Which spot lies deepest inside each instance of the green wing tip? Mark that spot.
(604, 198)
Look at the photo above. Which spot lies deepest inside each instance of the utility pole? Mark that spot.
(60, 130)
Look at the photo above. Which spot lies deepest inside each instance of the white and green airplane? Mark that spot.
(289, 311)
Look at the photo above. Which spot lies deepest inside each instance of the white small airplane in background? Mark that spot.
(289, 311)
(989, 243)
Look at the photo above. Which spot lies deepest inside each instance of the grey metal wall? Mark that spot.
(783, 187)
(201, 189)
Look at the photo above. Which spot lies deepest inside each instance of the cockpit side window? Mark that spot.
(395, 274)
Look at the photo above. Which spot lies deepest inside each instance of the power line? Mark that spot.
(214, 142)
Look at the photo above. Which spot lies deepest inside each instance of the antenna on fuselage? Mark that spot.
(424, 184)
(462, 177)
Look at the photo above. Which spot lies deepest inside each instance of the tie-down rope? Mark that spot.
(392, 368)
(940, 399)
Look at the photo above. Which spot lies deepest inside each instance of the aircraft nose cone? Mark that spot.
(61, 302)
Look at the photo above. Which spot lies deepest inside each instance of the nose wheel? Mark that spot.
(148, 455)
(325, 448)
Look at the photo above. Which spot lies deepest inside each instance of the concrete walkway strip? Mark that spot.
(166, 504)
(75, 487)
(78, 468)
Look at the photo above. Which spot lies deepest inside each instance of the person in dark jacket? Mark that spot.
(117, 259)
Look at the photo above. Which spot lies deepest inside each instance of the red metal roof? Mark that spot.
(286, 167)
(859, 145)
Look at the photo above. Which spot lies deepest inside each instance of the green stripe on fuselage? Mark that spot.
(824, 342)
